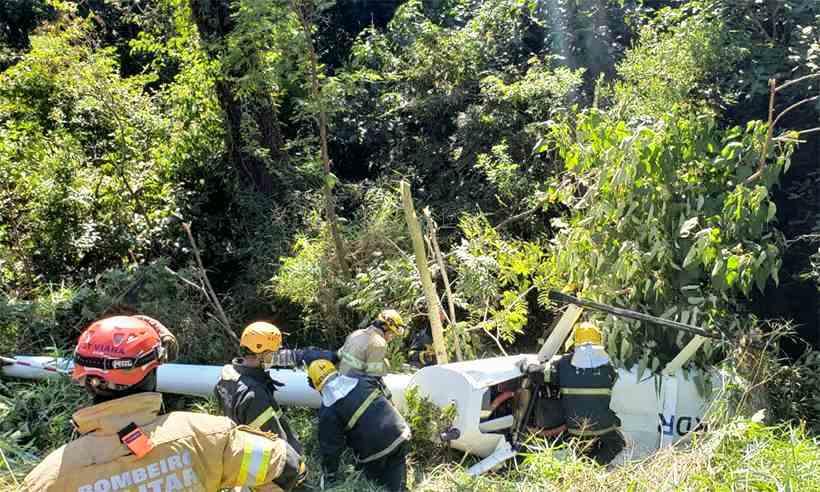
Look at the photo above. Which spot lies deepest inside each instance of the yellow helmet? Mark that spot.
(587, 332)
(391, 320)
(261, 336)
(318, 372)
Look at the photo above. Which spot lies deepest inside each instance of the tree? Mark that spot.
(237, 34)
(304, 11)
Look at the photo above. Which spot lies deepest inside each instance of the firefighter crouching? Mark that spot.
(585, 378)
(363, 353)
(246, 392)
(355, 411)
(420, 352)
(126, 445)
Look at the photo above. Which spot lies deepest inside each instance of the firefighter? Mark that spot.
(354, 410)
(246, 392)
(420, 352)
(126, 445)
(585, 378)
(363, 351)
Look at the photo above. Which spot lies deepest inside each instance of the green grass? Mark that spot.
(740, 455)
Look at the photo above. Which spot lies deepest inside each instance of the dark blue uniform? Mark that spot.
(367, 422)
(586, 394)
(246, 396)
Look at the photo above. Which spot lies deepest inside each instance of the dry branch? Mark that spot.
(774, 120)
(434, 246)
(208, 290)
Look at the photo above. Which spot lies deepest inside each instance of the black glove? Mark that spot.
(310, 354)
(275, 385)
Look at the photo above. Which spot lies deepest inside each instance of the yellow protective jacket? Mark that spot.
(191, 452)
(363, 353)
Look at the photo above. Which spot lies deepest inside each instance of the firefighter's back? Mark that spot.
(191, 452)
(363, 353)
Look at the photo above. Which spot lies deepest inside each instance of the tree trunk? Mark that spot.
(213, 19)
(433, 303)
(305, 12)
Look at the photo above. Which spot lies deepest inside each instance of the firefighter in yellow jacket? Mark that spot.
(363, 353)
(126, 444)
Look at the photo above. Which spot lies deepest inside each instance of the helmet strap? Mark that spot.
(102, 392)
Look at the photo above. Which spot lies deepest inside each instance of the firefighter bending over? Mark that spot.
(126, 445)
(585, 377)
(246, 392)
(355, 411)
(363, 353)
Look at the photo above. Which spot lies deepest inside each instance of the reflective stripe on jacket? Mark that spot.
(191, 452)
(585, 396)
(365, 420)
(246, 396)
(363, 353)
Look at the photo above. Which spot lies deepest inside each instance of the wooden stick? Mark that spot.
(761, 165)
(209, 290)
(431, 230)
(433, 305)
(560, 332)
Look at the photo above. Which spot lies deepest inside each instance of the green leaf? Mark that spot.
(772, 212)
(688, 227)
(331, 180)
(642, 363)
(626, 349)
(731, 278)
(541, 146)
(692, 255)
(733, 263)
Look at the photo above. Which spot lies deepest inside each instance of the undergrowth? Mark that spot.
(742, 454)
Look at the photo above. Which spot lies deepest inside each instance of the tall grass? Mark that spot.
(741, 455)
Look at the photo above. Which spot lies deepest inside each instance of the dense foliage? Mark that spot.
(627, 151)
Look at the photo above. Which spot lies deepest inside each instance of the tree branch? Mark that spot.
(772, 121)
(433, 240)
(515, 218)
(761, 165)
(184, 280)
(797, 80)
(209, 290)
(793, 106)
(805, 237)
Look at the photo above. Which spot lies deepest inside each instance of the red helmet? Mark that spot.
(121, 350)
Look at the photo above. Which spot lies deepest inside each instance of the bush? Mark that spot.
(55, 319)
(427, 421)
